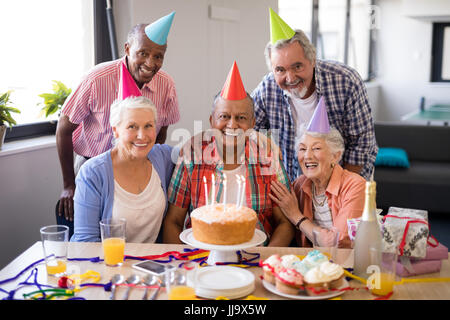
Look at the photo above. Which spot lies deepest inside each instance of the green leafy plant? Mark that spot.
(54, 101)
(6, 109)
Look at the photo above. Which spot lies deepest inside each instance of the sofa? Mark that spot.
(426, 183)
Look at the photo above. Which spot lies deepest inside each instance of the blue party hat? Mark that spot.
(319, 121)
(159, 30)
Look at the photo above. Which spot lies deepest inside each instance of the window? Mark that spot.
(339, 39)
(440, 64)
(43, 40)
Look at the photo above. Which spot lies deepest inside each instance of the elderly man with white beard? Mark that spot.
(286, 98)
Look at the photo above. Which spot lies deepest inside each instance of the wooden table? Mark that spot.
(418, 291)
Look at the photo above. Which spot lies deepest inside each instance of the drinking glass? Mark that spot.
(383, 269)
(326, 240)
(113, 241)
(54, 243)
(178, 287)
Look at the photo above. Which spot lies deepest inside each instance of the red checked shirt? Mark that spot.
(200, 158)
(90, 103)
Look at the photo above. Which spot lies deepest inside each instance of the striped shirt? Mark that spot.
(89, 106)
(262, 165)
(348, 111)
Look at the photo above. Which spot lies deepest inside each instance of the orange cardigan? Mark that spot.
(345, 193)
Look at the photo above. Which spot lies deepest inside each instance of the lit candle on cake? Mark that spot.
(213, 188)
(206, 190)
(238, 181)
(224, 191)
(241, 201)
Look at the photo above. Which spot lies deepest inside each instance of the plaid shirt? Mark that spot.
(348, 111)
(200, 158)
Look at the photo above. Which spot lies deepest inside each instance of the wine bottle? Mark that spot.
(368, 234)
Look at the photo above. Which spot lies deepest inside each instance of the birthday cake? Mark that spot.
(223, 225)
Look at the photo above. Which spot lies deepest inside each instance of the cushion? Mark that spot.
(392, 157)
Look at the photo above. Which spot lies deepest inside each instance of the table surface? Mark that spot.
(435, 113)
(434, 290)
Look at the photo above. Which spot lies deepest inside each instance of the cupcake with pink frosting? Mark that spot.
(271, 267)
(289, 281)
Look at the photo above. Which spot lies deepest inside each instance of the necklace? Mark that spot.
(314, 197)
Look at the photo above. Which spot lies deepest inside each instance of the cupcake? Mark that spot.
(335, 272)
(287, 261)
(322, 278)
(313, 259)
(289, 281)
(270, 267)
(316, 282)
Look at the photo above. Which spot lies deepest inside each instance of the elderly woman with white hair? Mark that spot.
(325, 195)
(128, 181)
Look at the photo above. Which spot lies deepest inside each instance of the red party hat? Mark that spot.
(233, 89)
(127, 85)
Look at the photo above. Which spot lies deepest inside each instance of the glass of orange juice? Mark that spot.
(113, 241)
(383, 266)
(54, 243)
(180, 282)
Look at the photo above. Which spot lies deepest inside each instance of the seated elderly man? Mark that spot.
(231, 147)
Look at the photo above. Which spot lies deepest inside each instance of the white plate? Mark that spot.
(187, 236)
(332, 294)
(230, 282)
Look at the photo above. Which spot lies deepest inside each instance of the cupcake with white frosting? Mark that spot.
(288, 260)
(320, 279)
(271, 266)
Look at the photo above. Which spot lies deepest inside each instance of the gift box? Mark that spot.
(406, 232)
(432, 262)
(417, 267)
(439, 252)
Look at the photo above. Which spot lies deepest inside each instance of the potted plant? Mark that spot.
(54, 101)
(5, 115)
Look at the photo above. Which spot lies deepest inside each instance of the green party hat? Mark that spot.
(279, 29)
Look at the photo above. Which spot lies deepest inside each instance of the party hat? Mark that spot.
(233, 89)
(319, 121)
(279, 29)
(127, 85)
(159, 30)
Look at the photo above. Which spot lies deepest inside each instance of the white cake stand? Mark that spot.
(222, 253)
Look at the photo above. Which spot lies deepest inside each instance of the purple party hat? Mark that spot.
(319, 121)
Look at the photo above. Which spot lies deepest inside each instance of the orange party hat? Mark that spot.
(233, 89)
(127, 85)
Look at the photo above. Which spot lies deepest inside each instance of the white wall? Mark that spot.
(30, 184)
(404, 56)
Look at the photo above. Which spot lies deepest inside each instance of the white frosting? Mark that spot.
(333, 270)
(315, 275)
(288, 261)
(326, 272)
(216, 213)
(274, 261)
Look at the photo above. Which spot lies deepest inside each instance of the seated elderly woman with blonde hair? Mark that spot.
(325, 195)
(128, 181)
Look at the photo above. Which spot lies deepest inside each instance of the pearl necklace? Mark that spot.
(314, 197)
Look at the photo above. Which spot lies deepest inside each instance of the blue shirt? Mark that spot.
(348, 111)
(94, 192)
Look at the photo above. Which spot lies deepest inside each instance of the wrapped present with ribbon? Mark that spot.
(432, 262)
(406, 231)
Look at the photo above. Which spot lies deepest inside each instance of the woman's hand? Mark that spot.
(286, 200)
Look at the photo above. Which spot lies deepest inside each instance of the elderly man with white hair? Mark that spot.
(286, 98)
(128, 181)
